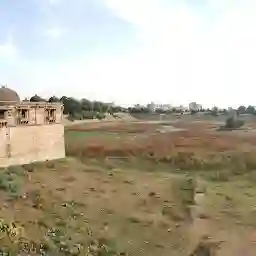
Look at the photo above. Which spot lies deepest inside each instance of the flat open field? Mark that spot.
(156, 141)
(135, 189)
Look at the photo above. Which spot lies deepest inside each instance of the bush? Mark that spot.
(70, 118)
(88, 114)
(75, 116)
(214, 113)
(184, 189)
(100, 116)
(233, 123)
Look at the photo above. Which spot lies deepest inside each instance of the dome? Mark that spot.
(7, 94)
(37, 98)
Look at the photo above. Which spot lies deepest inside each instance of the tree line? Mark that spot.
(81, 109)
(86, 109)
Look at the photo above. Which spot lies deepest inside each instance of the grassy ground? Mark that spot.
(66, 210)
(125, 190)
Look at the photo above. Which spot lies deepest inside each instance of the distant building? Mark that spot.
(180, 108)
(138, 106)
(110, 104)
(164, 106)
(193, 106)
(153, 106)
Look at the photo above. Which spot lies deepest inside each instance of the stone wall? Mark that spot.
(39, 115)
(32, 143)
(3, 143)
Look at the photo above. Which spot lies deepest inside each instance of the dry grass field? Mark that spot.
(130, 189)
(198, 146)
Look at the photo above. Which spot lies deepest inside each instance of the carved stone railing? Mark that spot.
(22, 120)
(50, 119)
(3, 123)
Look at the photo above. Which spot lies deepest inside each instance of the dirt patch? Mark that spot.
(79, 199)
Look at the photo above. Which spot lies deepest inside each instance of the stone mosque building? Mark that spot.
(29, 131)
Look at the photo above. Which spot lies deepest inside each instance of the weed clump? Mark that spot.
(102, 246)
(29, 167)
(183, 190)
(10, 183)
(37, 201)
(16, 170)
(206, 247)
(233, 123)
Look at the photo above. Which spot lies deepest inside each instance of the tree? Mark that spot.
(97, 106)
(214, 111)
(117, 109)
(250, 110)
(54, 99)
(241, 109)
(86, 105)
(159, 111)
(233, 123)
(81, 109)
(225, 111)
(71, 106)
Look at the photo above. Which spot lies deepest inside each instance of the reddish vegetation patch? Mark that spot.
(199, 138)
(117, 127)
(200, 125)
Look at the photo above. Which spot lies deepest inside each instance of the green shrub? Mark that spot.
(100, 116)
(218, 176)
(16, 170)
(75, 116)
(88, 114)
(71, 118)
(233, 123)
(10, 184)
(182, 190)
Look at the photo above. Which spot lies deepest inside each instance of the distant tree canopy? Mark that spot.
(80, 109)
(250, 110)
(54, 99)
(86, 109)
(71, 106)
(241, 109)
(246, 110)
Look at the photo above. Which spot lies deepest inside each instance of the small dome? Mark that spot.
(7, 94)
(37, 98)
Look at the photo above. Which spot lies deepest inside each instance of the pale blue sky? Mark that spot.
(129, 51)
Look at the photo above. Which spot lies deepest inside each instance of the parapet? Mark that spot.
(30, 113)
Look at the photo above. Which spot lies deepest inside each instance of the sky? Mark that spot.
(131, 51)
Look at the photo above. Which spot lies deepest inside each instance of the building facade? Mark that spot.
(29, 131)
(153, 106)
(181, 108)
(193, 106)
